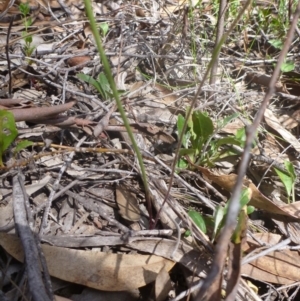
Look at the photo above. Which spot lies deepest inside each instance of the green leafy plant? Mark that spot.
(221, 212)
(288, 179)
(217, 221)
(8, 133)
(24, 9)
(101, 84)
(198, 140)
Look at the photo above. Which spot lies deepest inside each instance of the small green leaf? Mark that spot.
(104, 84)
(240, 227)
(250, 209)
(241, 136)
(24, 8)
(86, 78)
(286, 180)
(182, 164)
(104, 28)
(28, 40)
(220, 212)
(90, 80)
(245, 197)
(291, 170)
(227, 120)
(287, 66)
(276, 43)
(22, 145)
(187, 233)
(202, 125)
(198, 220)
(8, 131)
(226, 141)
(187, 151)
(180, 124)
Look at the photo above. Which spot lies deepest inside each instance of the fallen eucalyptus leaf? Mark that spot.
(102, 271)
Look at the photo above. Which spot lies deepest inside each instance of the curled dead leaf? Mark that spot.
(258, 200)
(78, 60)
(275, 124)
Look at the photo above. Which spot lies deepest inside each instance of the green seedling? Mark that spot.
(198, 220)
(198, 140)
(216, 222)
(287, 66)
(288, 179)
(8, 133)
(24, 9)
(22, 145)
(221, 213)
(101, 84)
(103, 28)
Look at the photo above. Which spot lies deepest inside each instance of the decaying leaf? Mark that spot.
(288, 122)
(128, 204)
(162, 285)
(280, 267)
(275, 124)
(232, 127)
(78, 60)
(258, 200)
(102, 271)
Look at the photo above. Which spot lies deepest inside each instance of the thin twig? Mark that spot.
(7, 56)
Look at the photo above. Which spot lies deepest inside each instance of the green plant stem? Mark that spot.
(89, 12)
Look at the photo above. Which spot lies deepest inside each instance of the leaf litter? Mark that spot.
(110, 234)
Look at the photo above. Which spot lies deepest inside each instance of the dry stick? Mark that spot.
(189, 112)
(220, 31)
(276, 247)
(31, 114)
(7, 56)
(36, 285)
(234, 206)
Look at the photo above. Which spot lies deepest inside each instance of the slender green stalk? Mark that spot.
(107, 70)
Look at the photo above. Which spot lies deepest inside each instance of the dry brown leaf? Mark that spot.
(232, 127)
(102, 271)
(162, 285)
(78, 60)
(258, 274)
(167, 96)
(275, 124)
(128, 204)
(162, 95)
(6, 214)
(288, 122)
(280, 267)
(258, 200)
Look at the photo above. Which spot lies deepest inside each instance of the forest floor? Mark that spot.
(71, 183)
